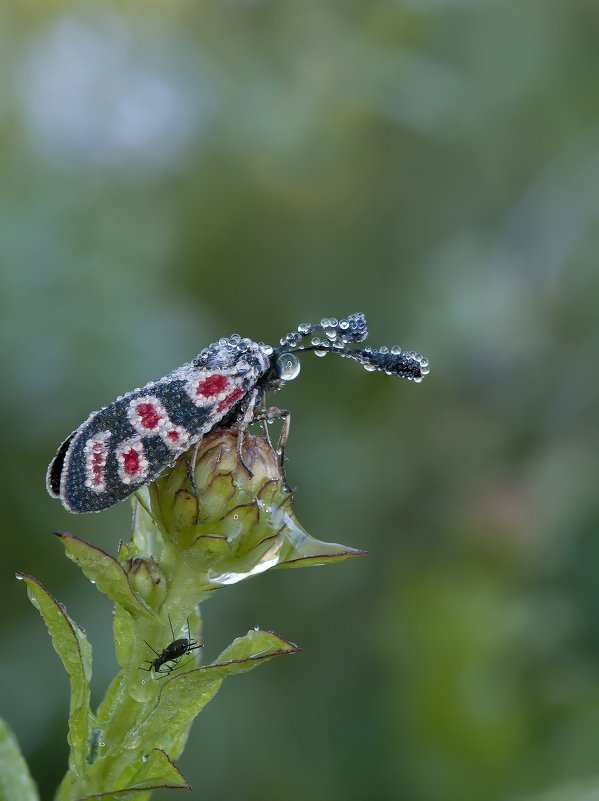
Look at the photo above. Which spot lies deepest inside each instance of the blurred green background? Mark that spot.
(171, 172)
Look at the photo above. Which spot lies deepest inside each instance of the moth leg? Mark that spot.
(248, 417)
(240, 436)
(191, 469)
(263, 419)
(267, 416)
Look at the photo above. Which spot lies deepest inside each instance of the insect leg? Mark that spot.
(149, 661)
(168, 669)
(267, 416)
(186, 663)
(263, 419)
(248, 417)
(192, 465)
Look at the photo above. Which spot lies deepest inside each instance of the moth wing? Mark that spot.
(55, 467)
(128, 444)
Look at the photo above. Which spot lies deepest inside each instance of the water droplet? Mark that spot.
(18, 577)
(320, 353)
(333, 322)
(384, 349)
(288, 366)
(369, 367)
(331, 333)
(315, 340)
(256, 628)
(144, 758)
(396, 350)
(235, 517)
(344, 324)
(303, 328)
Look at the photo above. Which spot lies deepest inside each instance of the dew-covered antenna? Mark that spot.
(353, 329)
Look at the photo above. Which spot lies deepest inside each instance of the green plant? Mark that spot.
(194, 532)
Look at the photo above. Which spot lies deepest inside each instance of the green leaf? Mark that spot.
(74, 650)
(156, 772)
(245, 652)
(181, 698)
(146, 538)
(16, 783)
(106, 705)
(105, 572)
(124, 635)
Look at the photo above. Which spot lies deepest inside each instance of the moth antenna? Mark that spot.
(393, 361)
(352, 328)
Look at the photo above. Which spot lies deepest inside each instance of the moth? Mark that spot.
(131, 441)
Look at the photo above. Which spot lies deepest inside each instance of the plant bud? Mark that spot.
(146, 579)
(234, 519)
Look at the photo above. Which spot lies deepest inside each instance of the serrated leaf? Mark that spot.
(74, 650)
(184, 696)
(16, 783)
(105, 572)
(156, 772)
(246, 651)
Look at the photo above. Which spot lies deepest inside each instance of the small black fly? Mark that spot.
(172, 654)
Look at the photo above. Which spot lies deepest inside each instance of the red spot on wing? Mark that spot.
(212, 385)
(97, 468)
(230, 399)
(131, 462)
(148, 415)
(96, 451)
(173, 436)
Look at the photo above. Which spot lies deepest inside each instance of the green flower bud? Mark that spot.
(146, 578)
(229, 523)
